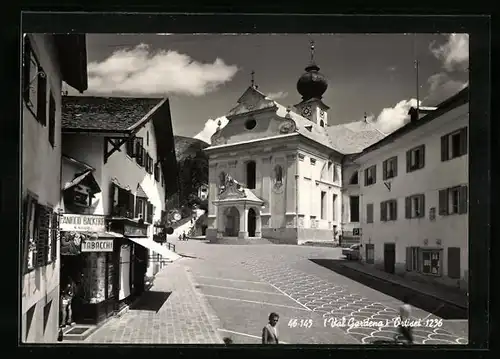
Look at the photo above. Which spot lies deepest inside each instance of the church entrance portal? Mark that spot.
(232, 218)
(252, 222)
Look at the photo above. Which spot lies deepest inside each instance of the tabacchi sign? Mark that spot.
(82, 223)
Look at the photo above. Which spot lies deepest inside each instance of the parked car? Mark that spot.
(352, 253)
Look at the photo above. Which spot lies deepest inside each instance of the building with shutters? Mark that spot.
(48, 60)
(116, 154)
(413, 196)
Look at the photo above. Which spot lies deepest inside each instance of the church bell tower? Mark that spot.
(311, 86)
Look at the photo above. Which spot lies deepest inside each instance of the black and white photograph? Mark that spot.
(245, 188)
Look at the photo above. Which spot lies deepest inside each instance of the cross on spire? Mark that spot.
(312, 51)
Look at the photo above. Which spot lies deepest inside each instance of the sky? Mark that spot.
(204, 75)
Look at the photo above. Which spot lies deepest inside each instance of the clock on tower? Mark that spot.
(306, 111)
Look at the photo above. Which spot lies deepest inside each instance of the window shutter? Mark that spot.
(444, 148)
(55, 235)
(443, 202)
(41, 102)
(27, 212)
(463, 141)
(26, 69)
(463, 203)
(383, 211)
(422, 157)
(137, 207)
(408, 207)
(422, 206)
(374, 169)
(42, 242)
(395, 166)
(408, 161)
(366, 177)
(408, 257)
(369, 213)
(384, 170)
(394, 210)
(131, 199)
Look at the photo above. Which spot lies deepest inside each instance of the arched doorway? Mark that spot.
(252, 222)
(232, 222)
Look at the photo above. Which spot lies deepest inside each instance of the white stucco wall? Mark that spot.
(90, 150)
(452, 230)
(41, 176)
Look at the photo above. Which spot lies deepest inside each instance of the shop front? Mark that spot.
(90, 256)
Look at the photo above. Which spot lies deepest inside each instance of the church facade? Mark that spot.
(277, 172)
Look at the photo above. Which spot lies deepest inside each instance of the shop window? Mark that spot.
(110, 292)
(94, 279)
(431, 262)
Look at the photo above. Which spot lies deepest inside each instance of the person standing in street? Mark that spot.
(404, 316)
(67, 295)
(270, 331)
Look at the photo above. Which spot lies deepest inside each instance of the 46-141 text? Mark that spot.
(300, 323)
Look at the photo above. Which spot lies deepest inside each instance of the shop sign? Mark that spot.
(82, 223)
(97, 245)
(135, 231)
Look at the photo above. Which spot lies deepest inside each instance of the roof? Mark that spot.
(86, 177)
(108, 114)
(79, 163)
(140, 192)
(72, 56)
(461, 98)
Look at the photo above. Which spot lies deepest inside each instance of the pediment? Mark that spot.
(251, 100)
(232, 191)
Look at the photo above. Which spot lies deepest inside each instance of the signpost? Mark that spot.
(82, 223)
(97, 245)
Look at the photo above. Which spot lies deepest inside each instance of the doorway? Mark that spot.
(370, 253)
(252, 222)
(232, 219)
(389, 257)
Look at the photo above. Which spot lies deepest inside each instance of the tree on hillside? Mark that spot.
(193, 172)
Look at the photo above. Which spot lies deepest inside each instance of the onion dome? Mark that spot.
(312, 84)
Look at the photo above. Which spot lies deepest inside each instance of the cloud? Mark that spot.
(392, 118)
(139, 71)
(441, 87)
(277, 95)
(454, 53)
(210, 128)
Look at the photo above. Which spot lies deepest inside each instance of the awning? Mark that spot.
(87, 174)
(155, 247)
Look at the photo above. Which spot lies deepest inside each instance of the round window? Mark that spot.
(250, 124)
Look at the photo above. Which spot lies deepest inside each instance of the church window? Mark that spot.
(251, 174)
(278, 172)
(250, 124)
(354, 178)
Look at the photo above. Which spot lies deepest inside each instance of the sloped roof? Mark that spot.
(105, 113)
(353, 137)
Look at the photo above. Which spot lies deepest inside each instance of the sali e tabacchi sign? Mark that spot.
(82, 223)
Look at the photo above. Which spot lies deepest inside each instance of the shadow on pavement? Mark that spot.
(417, 299)
(151, 301)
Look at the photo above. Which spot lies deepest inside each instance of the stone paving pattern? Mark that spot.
(181, 320)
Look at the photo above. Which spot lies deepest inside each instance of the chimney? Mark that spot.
(413, 114)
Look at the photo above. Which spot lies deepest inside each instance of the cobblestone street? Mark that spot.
(184, 318)
(222, 291)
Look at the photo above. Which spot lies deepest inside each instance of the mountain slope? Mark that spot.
(187, 146)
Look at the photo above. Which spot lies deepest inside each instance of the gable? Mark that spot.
(251, 100)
